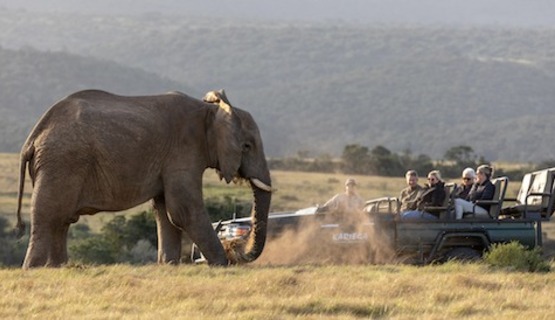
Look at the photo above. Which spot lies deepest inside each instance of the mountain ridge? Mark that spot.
(317, 88)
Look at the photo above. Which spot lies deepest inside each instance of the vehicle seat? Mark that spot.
(496, 203)
(536, 194)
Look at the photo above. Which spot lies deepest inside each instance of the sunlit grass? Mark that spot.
(253, 292)
(260, 291)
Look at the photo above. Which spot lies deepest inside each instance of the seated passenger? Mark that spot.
(432, 195)
(409, 195)
(482, 189)
(468, 177)
(347, 202)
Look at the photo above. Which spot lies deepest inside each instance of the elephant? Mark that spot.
(96, 151)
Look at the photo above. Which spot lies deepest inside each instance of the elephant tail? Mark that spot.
(25, 157)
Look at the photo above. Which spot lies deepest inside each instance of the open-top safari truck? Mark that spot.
(421, 241)
(510, 219)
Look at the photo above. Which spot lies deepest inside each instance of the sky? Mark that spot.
(514, 13)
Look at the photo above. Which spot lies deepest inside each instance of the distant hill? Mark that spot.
(31, 81)
(317, 87)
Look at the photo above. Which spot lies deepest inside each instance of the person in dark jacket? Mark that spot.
(482, 189)
(433, 195)
(468, 177)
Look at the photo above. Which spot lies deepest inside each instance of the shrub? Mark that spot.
(143, 252)
(515, 256)
(94, 250)
(12, 250)
(79, 231)
(122, 239)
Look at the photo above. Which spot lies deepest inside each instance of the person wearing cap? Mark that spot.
(346, 202)
(482, 189)
(468, 176)
(409, 195)
(432, 195)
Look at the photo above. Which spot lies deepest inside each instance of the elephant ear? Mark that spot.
(227, 132)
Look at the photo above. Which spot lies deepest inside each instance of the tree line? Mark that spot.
(380, 161)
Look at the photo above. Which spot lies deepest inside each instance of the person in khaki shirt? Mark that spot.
(409, 195)
(348, 202)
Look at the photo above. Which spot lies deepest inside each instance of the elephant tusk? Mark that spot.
(261, 185)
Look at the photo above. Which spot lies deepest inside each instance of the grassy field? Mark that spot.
(447, 291)
(263, 290)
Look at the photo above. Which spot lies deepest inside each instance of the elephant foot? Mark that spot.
(164, 259)
(41, 261)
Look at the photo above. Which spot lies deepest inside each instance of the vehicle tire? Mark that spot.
(462, 254)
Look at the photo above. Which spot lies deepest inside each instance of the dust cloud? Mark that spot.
(329, 239)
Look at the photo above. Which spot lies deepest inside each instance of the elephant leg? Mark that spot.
(52, 211)
(169, 237)
(186, 211)
(47, 244)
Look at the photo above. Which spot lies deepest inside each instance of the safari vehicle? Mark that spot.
(425, 241)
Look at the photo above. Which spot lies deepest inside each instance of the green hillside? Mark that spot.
(317, 87)
(31, 81)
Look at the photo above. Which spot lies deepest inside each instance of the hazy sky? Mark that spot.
(452, 12)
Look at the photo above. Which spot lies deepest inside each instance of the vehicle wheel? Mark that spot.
(462, 254)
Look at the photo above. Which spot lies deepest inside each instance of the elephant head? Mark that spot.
(240, 156)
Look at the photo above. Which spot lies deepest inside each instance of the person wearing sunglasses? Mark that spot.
(468, 177)
(482, 189)
(432, 195)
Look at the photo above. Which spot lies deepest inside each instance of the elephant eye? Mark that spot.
(247, 147)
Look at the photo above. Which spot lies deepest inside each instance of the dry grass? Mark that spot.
(263, 290)
(256, 292)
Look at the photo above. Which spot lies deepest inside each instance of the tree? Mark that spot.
(384, 162)
(461, 155)
(356, 159)
(457, 158)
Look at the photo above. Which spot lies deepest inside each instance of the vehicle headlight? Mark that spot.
(240, 231)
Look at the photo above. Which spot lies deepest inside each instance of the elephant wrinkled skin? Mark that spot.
(95, 151)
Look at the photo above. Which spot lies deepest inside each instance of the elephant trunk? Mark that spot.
(259, 217)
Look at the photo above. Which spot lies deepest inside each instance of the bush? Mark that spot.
(94, 250)
(142, 253)
(121, 240)
(515, 256)
(12, 250)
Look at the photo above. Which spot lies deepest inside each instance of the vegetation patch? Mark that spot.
(320, 307)
(515, 257)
